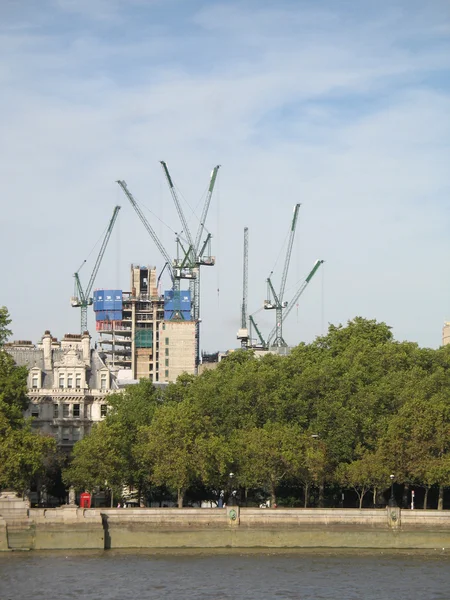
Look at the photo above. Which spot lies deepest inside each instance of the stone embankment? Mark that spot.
(70, 527)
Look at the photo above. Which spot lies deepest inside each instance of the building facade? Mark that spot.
(68, 384)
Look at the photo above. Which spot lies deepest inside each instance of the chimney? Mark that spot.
(86, 348)
(47, 346)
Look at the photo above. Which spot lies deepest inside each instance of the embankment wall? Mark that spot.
(232, 527)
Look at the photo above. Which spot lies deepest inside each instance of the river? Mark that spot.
(223, 575)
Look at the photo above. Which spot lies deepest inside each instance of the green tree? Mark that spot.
(97, 459)
(365, 473)
(266, 456)
(23, 455)
(5, 320)
(180, 448)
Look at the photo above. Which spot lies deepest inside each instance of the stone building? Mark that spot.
(68, 383)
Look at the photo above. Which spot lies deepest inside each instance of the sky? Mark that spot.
(343, 107)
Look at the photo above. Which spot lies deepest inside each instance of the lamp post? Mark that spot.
(231, 497)
(392, 501)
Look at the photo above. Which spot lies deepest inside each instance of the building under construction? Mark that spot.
(144, 334)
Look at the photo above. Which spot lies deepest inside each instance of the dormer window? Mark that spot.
(77, 381)
(35, 382)
(103, 381)
(61, 381)
(70, 381)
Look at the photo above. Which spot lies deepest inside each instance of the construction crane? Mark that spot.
(174, 275)
(82, 298)
(243, 331)
(253, 324)
(193, 257)
(274, 300)
(290, 306)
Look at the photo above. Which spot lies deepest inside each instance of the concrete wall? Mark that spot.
(72, 528)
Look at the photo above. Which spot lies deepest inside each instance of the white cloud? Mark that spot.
(85, 111)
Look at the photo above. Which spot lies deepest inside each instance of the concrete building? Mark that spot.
(146, 339)
(68, 383)
(446, 334)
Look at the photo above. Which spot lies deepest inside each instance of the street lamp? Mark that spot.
(392, 501)
(231, 497)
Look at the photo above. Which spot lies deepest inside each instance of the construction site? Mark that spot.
(145, 332)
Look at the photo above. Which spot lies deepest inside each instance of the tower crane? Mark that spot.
(243, 331)
(193, 257)
(174, 275)
(274, 300)
(294, 300)
(82, 298)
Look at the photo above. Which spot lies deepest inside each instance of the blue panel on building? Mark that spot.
(108, 315)
(107, 300)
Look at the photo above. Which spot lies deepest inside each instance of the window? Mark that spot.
(76, 434)
(103, 381)
(167, 341)
(167, 351)
(76, 410)
(77, 381)
(167, 362)
(34, 410)
(70, 380)
(55, 411)
(66, 434)
(65, 410)
(34, 381)
(167, 373)
(103, 410)
(61, 381)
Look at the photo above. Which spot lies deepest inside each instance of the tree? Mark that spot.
(4, 322)
(23, 454)
(364, 473)
(97, 459)
(180, 448)
(266, 456)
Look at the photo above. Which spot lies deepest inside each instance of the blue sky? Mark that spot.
(342, 106)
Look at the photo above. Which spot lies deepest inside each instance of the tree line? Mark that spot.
(340, 414)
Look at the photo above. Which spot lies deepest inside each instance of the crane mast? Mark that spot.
(83, 299)
(243, 331)
(278, 304)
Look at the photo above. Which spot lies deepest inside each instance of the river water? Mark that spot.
(262, 575)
